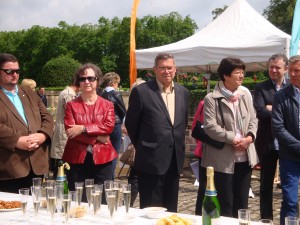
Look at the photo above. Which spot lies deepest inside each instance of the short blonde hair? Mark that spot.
(28, 83)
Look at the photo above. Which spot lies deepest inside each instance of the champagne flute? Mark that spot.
(59, 196)
(111, 201)
(36, 181)
(97, 197)
(108, 186)
(74, 203)
(36, 192)
(117, 189)
(24, 193)
(52, 194)
(50, 184)
(66, 203)
(79, 189)
(126, 189)
(89, 183)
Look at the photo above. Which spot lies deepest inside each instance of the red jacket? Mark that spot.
(99, 119)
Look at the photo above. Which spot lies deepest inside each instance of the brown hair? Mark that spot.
(82, 69)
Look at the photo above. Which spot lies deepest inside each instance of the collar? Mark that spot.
(162, 88)
(109, 88)
(282, 85)
(9, 92)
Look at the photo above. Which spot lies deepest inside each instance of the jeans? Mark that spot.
(116, 139)
(289, 176)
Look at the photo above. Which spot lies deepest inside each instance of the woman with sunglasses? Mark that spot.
(89, 120)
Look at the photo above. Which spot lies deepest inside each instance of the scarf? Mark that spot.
(234, 98)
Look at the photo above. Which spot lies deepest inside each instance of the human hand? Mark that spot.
(103, 139)
(26, 143)
(74, 131)
(269, 108)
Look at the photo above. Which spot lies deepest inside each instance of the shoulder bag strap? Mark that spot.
(221, 112)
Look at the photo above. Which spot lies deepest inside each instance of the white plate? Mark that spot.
(124, 219)
(9, 210)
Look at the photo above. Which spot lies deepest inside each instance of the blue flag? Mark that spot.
(295, 30)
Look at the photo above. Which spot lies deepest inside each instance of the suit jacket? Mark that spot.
(263, 95)
(16, 163)
(151, 131)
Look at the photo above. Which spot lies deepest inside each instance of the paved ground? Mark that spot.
(188, 194)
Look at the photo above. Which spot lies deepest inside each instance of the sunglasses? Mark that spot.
(10, 71)
(90, 79)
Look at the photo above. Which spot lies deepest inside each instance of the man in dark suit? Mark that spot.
(26, 129)
(265, 143)
(156, 120)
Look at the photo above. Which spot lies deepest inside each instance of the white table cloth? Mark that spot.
(136, 216)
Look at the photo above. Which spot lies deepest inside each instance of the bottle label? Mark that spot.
(215, 221)
(210, 193)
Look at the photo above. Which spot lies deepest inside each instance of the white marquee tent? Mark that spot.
(239, 31)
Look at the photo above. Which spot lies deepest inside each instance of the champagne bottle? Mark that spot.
(61, 177)
(210, 206)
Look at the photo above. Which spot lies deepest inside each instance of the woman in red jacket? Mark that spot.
(89, 119)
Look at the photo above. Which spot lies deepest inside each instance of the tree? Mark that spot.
(58, 72)
(280, 13)
(218, 11)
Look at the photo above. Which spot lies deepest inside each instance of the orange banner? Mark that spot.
(132, 65)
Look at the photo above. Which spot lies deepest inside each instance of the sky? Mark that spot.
(23, 14)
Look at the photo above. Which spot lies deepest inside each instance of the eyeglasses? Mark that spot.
(90, 79)
(10, 71)
(168, 68)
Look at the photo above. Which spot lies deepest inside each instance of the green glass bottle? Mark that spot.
(210, 205)
(61, 177)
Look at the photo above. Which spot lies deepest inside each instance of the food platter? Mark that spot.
(8, 206)
(9, 210)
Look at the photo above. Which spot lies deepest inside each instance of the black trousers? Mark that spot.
(201, 189)
(88, 170)
(133, 180)
(160, 190)
(268, 165)
(14, 185)
(232, 189)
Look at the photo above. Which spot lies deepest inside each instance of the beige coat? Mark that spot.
(223, 159)
(60, 138)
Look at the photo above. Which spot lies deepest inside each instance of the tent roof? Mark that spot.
(239, 31)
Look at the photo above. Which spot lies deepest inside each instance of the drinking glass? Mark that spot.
(50, 184)
(97, 197)
(291, 220)
(36, 193)
(111, 201)
(59, 196)
(89, 183)
(79, 189)
(24, 193)
(74, 203)
(108, 186)
(244, 216)
(36, 181)
(117, 189)
(66, 203)
(52, 197)
(126, 189)
(265, 222)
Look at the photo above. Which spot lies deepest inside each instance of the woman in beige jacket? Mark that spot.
(234, 162)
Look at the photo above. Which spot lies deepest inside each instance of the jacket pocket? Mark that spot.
(149, 144)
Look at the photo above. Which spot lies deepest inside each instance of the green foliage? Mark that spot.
(280, 13)
(58, 72)
(105, 44)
